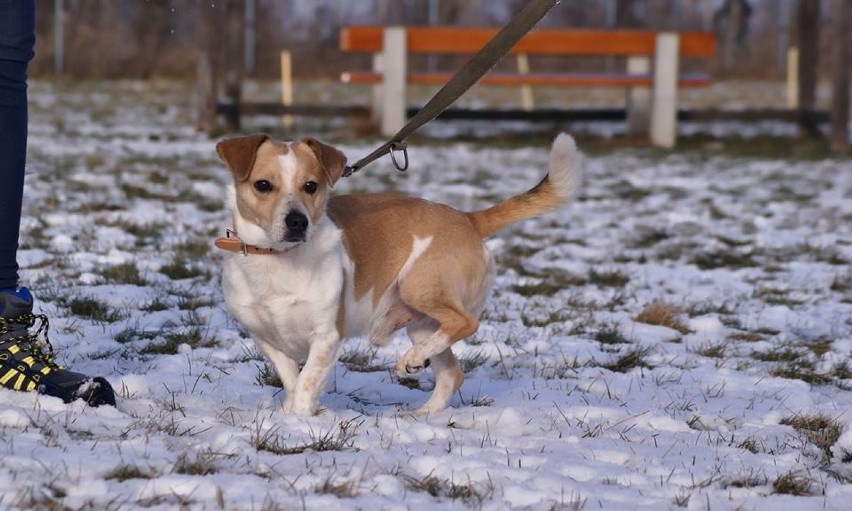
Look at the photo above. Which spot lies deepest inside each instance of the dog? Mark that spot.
(307, 270)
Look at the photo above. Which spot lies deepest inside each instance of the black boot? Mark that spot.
(27, 364)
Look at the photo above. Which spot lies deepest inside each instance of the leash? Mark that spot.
(481, 62)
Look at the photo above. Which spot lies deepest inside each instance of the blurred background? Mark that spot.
(157, 38)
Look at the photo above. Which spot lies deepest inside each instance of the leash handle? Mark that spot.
(475, 68)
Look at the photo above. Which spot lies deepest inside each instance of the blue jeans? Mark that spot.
(17, 38)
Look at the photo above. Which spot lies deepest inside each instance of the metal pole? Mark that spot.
(250, 36)
(58, 36)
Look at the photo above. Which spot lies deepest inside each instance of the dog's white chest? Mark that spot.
(289, 299)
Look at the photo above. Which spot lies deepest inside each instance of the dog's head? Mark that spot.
(280, 188)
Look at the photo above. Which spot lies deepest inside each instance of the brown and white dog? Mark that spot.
(309, 270)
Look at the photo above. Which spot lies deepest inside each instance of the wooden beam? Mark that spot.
(454, 40)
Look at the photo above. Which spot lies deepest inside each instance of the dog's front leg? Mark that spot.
(311, 381)
(288, 372)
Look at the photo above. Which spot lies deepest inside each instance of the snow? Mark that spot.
(753, 252)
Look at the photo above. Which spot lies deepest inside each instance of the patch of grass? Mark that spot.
(778, 354)
(841, 283)
(713, 350)
(341, 490)
(126, 472)
(610, 334)
(130, 334)
(628, 360)
(608, 278)
(710, 260)
(267, 377)
(156, 305)
(180, 268)
(550, 285)
(339, 438)
(663, 314)
(819, 429)
(125, 273)
(792, 484)
(745, 336)
(467, 493)
(197, 465)
(471, 361)
(649, 237)
(193, 336)
(361, 361)
(94, 309)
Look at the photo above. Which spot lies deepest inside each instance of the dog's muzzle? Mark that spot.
(297, 226)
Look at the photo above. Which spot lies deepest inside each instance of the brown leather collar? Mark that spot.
(231, 243)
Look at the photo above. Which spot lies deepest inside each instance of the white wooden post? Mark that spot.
(527, 100)
(638, 98)
(664, 103)
(378, 98)
(393, 85)
(287, 85)
(793, 78)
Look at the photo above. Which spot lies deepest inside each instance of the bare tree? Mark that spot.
(808, 36)
(840, 77)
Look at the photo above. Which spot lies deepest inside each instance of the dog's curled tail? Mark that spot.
(557, 187)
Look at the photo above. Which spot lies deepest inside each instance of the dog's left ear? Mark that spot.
(331, 158)
(239, 153)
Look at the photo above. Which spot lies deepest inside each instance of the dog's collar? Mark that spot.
(230, 242)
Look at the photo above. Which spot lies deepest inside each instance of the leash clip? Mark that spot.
(399, 146)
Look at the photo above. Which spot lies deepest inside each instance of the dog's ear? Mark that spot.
(331, 158)
(238, 153)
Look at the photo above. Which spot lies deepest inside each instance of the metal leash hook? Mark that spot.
(399, 146)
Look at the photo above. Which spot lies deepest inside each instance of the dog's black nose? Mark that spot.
(297, 224)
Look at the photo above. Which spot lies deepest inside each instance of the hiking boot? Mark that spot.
(27, 364)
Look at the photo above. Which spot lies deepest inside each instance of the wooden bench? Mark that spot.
(651, 78)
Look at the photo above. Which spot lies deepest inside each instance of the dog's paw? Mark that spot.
(411, 363)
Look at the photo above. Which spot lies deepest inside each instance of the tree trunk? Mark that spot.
(207, 67)
(625, 15)
(840, 77)
(234, 55)
(808, 25)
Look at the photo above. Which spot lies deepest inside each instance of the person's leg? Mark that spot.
(17, 39)
(26, 362)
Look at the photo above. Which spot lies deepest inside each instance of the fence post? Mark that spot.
(393, 85)
(287, 85)
(638, 98)
(664, 104)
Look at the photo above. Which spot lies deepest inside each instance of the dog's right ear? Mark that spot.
(238, 153)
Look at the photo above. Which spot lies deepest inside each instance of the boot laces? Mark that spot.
(30, 342)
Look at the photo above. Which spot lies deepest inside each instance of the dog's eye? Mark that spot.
(263, 186)
(311, 187)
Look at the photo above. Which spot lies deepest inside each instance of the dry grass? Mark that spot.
(663, 314)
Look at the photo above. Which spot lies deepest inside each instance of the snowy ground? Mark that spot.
(678, 337)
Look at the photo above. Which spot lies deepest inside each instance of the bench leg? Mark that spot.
(638, 98)
(393, 83)
(378, 103)
(664, 104)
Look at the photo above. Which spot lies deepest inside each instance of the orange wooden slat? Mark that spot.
(455, 40)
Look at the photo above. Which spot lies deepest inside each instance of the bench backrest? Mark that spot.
(456, 40)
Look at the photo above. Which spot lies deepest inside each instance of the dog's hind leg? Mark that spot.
(448, 374)
(455, 323)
